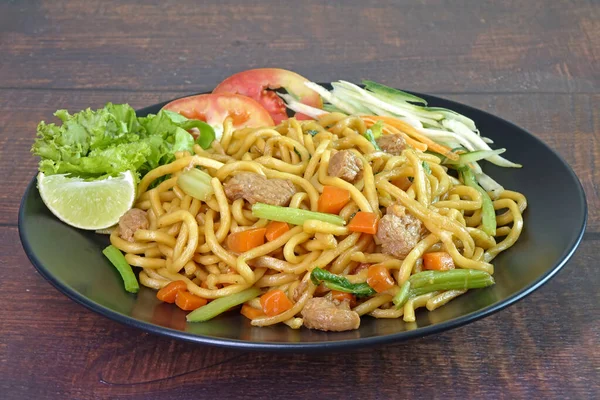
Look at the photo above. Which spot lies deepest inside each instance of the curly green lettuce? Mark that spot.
(113, 139)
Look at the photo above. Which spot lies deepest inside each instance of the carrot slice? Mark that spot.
(243, 241)
(438, 261)
(276, 229)
(343, 296)
(188, 301)
(379, 278)
(274, 302)
(402, 182)
(169, 292)
(365, 222)
(251, 312)
(409, 130)
(333, 199)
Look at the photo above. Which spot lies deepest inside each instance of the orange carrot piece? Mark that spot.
(240, 242)
(276, 229)
(438, 261)
(188, 301)
(409, 130)
(365, 222)
(169, 292)
(379, 278)
(343, 296)
(333, 199)
(402, 182)
(251, 312)
(274, 302)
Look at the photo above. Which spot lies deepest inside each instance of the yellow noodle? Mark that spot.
(412, 304)
(185, 238)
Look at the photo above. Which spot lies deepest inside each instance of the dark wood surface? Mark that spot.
(536, 63)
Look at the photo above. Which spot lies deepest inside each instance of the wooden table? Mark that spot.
(536, 63)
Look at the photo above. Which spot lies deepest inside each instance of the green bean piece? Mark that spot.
(456, 279)
(219, 306)
(341, 284)
(117, 259)
(294, 216)
(488, 214)
(402, 296)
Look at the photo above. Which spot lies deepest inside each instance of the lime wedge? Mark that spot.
(88, 205)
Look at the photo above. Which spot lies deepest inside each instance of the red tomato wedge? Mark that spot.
(215, 108)
(255, 82)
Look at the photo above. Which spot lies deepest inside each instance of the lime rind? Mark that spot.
(89, 205)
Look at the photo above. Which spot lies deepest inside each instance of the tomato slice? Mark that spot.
(255, 82)
(215, 108)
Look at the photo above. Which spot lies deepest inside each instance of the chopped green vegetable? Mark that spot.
(328, 96)
(336, 282)
(196, 183)
(396, 94)
(371, 138)
(331, 108)
(426, 167)
(472, 156)
(117, 259)
(219, 306)
(449, 114)
(112, 140)
(402, 296)
(459, 279)
(312, 132)
(477, 142)
(294, 216)
(441, 125)
(377, 129)
(488, 214)
(295, 105)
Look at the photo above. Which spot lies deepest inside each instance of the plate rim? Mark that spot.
(239, 344)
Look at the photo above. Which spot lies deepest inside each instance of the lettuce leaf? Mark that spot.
(113, 139)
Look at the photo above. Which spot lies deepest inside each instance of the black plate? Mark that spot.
(555, 220)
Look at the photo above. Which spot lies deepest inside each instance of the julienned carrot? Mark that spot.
(438, 261)
(276, 229)
(274, 302)
(240, 242)
(333, 199)
(188, 302)
(365, 222)
(344, 296)
(251, 312)
(409, 130)
(169, 292)
(379, 278)
(390, 130)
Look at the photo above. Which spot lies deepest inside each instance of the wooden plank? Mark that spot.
(565, 122)
(430, 46)
(546, 346)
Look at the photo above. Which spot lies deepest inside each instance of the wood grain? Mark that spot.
(545, 346)
(536, 63)
(432, 45)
